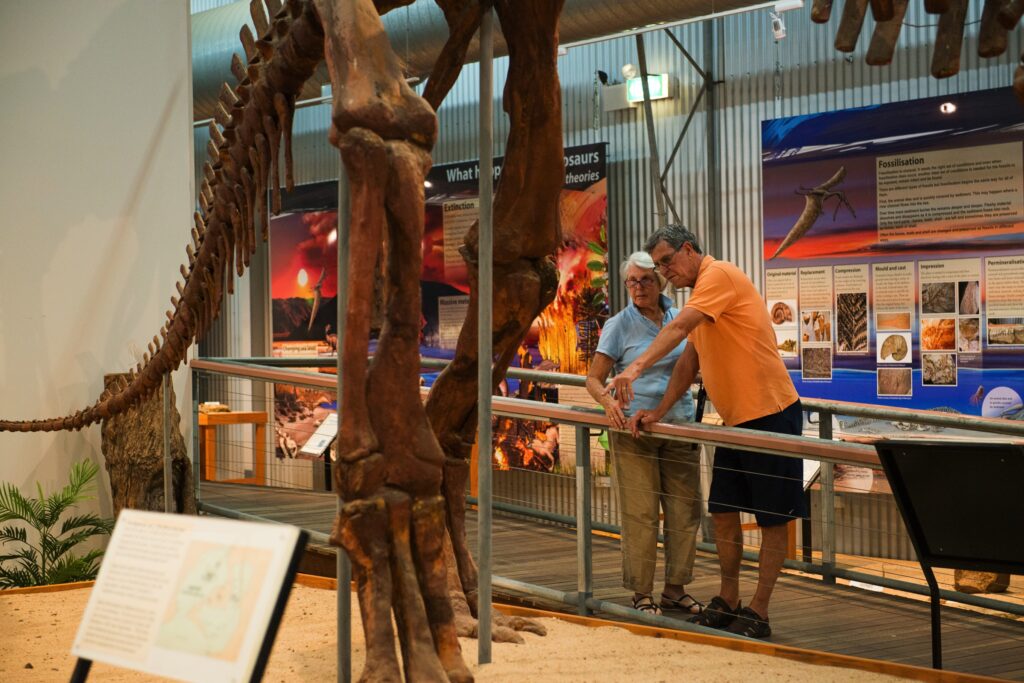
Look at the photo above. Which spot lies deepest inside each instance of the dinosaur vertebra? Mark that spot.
(254, 117)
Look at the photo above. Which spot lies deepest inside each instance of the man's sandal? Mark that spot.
(717, 614)
(684, 603)
(750, 624)
(645, 604)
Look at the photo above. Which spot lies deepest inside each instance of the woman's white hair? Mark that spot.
(641, 259)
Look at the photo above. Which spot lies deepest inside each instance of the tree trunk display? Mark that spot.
(133, 448)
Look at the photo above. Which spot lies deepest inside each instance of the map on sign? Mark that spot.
(209, 611)
(192, 598)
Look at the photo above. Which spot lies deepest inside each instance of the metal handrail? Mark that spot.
(824, 449)
(765, 442)
(925, 417)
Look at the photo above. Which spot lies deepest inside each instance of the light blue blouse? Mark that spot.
(624, 338)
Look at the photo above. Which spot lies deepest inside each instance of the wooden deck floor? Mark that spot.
(805, 612)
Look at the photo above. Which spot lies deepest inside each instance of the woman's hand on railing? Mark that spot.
(616, 418)
(642, 419)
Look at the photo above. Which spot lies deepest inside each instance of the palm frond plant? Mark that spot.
(50, 558)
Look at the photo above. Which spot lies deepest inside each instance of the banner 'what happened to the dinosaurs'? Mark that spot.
(304, 286)
(894, 252)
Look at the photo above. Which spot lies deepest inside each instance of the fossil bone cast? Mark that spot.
(998, 18)
(392, 469)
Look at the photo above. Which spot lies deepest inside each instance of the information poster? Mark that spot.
(894, 238)
(564, 338)
(187, 597)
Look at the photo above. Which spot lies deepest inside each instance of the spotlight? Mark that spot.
(629, 71)
(947, 107)
(778, 26)
(427, 184)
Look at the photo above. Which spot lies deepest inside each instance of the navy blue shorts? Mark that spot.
(771, 487)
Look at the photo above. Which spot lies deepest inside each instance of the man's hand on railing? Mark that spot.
(643, 419)
(621, 386)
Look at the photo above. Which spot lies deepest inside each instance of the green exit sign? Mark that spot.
(658, 84)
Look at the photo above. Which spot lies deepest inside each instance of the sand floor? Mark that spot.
(39, 629)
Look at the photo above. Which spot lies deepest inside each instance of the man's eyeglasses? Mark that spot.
(666, 260)
(645, 281)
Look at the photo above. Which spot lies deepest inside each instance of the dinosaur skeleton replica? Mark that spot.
(403, 465)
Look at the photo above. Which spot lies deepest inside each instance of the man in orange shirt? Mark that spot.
(733, 347)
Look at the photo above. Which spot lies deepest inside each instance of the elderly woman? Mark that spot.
(649, 471)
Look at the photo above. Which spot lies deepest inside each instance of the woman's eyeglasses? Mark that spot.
(645, 281)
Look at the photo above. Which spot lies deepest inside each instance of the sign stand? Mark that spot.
(962, 507)
(194, 598)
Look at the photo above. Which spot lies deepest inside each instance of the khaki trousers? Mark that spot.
(649, 471)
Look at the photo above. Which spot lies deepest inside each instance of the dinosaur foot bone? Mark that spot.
(390, 538)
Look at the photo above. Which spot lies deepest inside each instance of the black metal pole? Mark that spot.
(81, 671)
(933, 588)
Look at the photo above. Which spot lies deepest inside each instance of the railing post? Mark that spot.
(584, 566)
(828, 502)
(196, 476)
(168, 475)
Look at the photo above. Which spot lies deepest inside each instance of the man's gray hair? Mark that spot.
(641, 259)
(675, 235)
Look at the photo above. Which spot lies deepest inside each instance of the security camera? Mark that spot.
(778, 26)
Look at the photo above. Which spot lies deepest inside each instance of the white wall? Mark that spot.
(95, 210)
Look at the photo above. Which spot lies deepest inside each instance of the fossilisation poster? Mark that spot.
(894, 252)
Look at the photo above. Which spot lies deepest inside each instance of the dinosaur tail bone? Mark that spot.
(253, 119)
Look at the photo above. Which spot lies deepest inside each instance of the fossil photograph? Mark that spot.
(852, 322)
(938, 369)
(938, 334)
(816, 326)
(968, 339)
(894, 348)
(785, 341)
(894, 382)
(970, 297)
(1005, 331)
(781, 312)
(938, 297)
(816, 363)
(898, 321)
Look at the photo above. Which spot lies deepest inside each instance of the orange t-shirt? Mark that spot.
(744, 375)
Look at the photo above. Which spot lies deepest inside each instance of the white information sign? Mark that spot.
(186, 597)
(322, 437)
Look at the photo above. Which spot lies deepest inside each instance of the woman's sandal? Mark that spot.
(645, 604)
(684, 603)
